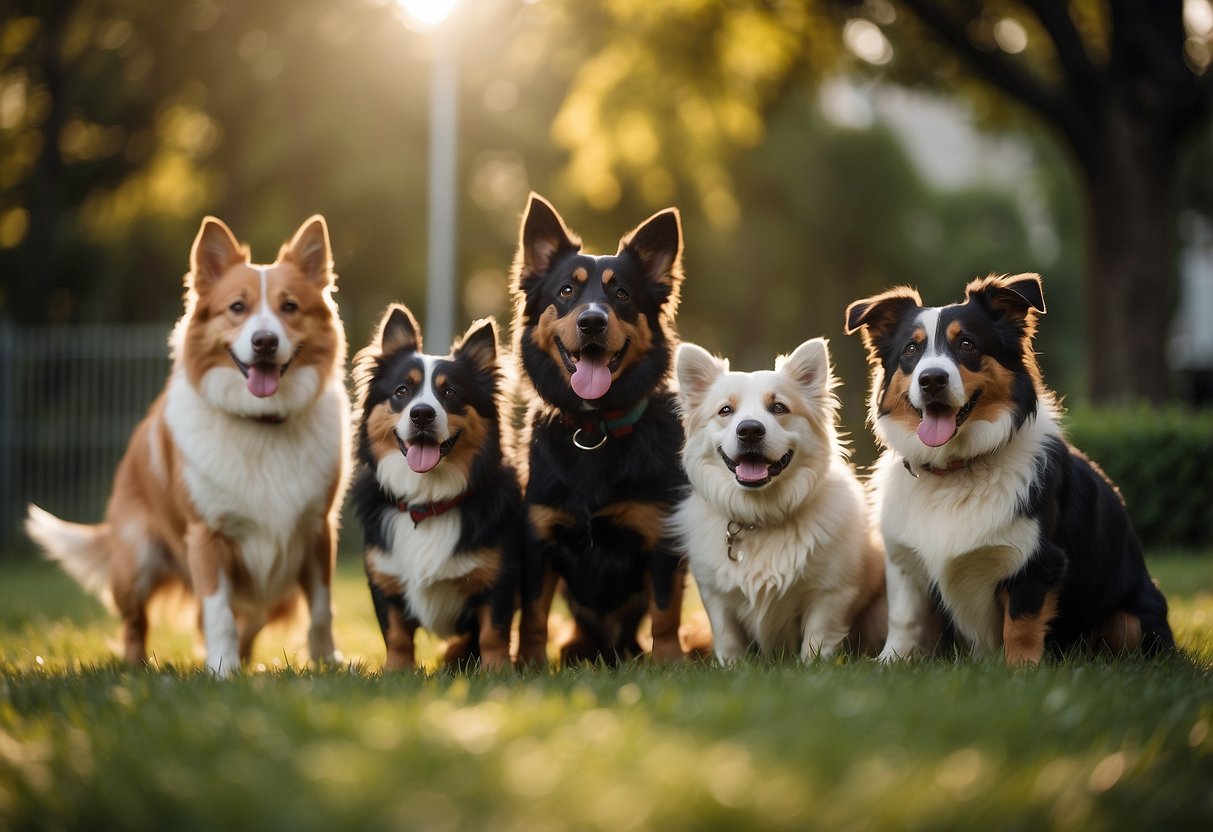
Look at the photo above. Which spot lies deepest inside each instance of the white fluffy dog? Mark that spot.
(776, 528)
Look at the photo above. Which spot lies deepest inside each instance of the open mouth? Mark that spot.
(755, 470)
(423, 453)
(590, 369)
(940, 422)
(262, 376)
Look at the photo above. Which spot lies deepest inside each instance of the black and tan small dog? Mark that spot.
(595, 337)
(983, 504)
(440, 506)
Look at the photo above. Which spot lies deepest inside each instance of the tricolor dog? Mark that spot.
(595, 338)
(441, 509)
(776, 528)
(1025, 541)
(232, 482)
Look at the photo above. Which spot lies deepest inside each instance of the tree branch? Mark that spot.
(1003, 73)
(1054, 16)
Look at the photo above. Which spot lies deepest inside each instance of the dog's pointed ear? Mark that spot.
(697, 370)
(398, 331)
(215, 250)
(876, 317)
(311, 250)
(1014, 296)
(879, 312)
(479, 345)
(657, 242)
(542, 237)
(809, 367)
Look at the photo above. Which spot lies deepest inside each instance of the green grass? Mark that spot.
(1085, 745)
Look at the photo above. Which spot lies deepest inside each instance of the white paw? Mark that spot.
(223, 665)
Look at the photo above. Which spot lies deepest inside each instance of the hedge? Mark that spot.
(1162, 461)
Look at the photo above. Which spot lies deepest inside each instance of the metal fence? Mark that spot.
(69, 399)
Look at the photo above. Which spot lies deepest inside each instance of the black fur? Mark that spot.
(1088, 550)
(608, 568)
(491, 517)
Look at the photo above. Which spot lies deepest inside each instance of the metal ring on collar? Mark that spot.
(601, 442)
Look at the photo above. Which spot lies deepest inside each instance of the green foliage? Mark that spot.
(945, 744)
(1162, 461)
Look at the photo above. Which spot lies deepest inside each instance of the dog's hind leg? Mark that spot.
(248, 626)
(666, 582)
(494, 639)
(133, 563)
(533, 624)
(825, 627)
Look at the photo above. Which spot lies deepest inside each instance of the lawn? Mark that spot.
(1084, 745)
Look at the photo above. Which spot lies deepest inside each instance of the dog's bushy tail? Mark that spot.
(83, 551)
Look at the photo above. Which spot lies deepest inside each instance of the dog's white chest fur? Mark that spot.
(266, 487)
(963, 531)
(421, 559)
(783, 571)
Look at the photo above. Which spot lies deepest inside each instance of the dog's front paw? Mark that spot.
(667, 651)
(897, 653)
(224, 664)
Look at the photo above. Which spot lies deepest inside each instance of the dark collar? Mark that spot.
(269, 419)
(944, 470)
(604, 423)
(420, 511)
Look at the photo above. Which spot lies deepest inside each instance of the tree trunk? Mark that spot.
(1130, 174)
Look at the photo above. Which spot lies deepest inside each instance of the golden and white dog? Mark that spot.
(231, 484)
(776, 528)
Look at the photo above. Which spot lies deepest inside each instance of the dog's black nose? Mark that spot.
(421, 415)
(265, 342)
(933, 380)
(592, 322)
(751, 430)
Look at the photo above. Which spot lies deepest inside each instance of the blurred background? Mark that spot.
(819, 150)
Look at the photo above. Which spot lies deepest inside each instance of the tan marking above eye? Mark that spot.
(414, 377)
(440, 380)
(581, 275)
(607, 276)
(954, 330)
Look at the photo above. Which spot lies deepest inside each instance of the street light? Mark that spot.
(428, 16)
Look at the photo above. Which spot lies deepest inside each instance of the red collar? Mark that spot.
(420, 511)
(613, 423)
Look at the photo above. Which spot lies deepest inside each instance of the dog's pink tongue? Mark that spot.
(752, 470)
(937, 427)
(263, 380)
(591, 379)
(423, 456)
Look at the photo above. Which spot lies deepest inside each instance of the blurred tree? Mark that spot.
(1123, 84)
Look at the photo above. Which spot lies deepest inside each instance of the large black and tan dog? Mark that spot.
(595, 336)
(440, 506)
(982, 501)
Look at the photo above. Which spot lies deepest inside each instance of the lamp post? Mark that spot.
(429, 15)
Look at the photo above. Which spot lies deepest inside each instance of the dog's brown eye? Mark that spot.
(912, 348)
(400, 392)
(237, 307)
(449, 392)
(622, 293)
(566, 291)
(727, 410)
(289, 306)
(779, 408)
(967, 345)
